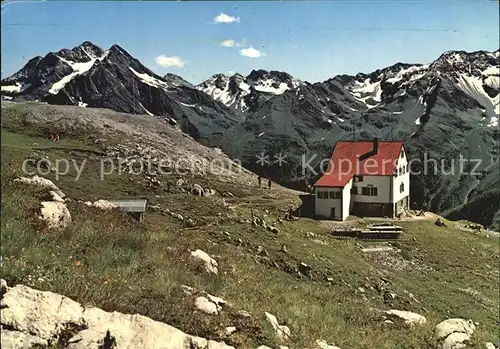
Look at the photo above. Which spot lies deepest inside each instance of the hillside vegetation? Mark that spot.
(107, 259)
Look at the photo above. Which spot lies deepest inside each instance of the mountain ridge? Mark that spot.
(453, 99)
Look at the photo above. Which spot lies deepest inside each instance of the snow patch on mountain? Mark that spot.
(363, 91)
(149, 80)
(473, 86)
(236, 91)
(221, 95)
(493, 70)
(78, 69)
(412, 73)
(267, 86)
(147, 111)
(493, 122)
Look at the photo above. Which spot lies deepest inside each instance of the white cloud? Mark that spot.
(228, 43)
(251, 52)
(223, 18)
(232, 43)
(172, 61)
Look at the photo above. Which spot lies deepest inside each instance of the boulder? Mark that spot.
(55, 214)
(40, 182)
(206, 306)
(282, 331)
(489, 345)
(407, 317)
(231, 329)
(211, 265)
(449, 326)
(32, 318)
(455, 341)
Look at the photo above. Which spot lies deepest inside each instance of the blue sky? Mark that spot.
(311, 40)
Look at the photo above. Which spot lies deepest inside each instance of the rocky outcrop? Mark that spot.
(35, 318)
(455, 332)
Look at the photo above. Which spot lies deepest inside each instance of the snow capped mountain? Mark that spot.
(444, 108)
(88, 76)
(244, 93)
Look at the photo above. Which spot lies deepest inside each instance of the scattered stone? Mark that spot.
(179, 217)
(188, 290)
(209, 192)
(274, 230)
(206, 306)
(321, 344)
(55, 214)
(103, 205)
(305, 270)
(211, 265)
(197, 189)
(282, 331)
(408, 317)
(261, 251)
(310, 235)
(230, 330)
(244, 313)
(180, 182)
(439, 222)
(190, 223)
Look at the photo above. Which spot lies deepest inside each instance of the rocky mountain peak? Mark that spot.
(176, 80)
(118, 50)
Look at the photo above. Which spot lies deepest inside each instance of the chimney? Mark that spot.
(372, 152)
(375, 146)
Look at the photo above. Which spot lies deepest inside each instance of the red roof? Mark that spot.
(345, 163)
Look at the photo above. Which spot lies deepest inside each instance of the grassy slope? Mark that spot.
(108, 260)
